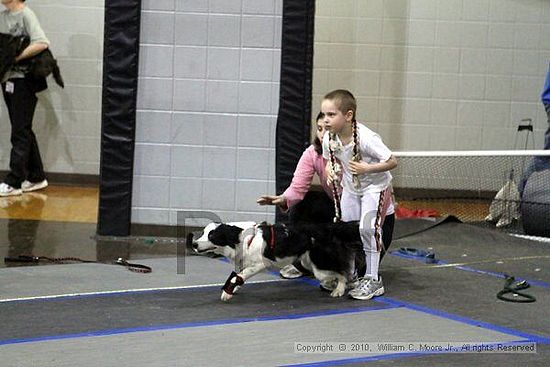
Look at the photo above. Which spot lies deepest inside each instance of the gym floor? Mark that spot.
(101, 314)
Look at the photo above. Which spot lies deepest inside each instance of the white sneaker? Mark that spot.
(7, 190)
(27, 186)
(354, 283)
(368, 288)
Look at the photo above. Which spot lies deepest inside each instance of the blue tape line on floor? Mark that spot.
(200, 324)
(390, 301)
(470, 269)
(501, 329)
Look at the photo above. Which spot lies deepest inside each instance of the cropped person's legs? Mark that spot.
(374, 207)
(370, 230)
(24, 153)
(35, 168)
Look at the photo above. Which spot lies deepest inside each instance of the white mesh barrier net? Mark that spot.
(476, 186)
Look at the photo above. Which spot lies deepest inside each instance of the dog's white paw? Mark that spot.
(339, 290)
(337, 293)
(226, 296)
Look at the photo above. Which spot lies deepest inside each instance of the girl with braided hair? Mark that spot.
(307, 206)
(366, 193)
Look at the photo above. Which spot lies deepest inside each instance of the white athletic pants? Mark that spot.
(370, 209)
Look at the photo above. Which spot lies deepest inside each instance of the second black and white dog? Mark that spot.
(333, 251)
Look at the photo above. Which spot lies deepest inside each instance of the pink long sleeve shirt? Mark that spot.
(309, 164)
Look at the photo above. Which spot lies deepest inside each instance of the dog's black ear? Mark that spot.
(225, 235)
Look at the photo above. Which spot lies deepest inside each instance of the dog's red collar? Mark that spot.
(272, 241)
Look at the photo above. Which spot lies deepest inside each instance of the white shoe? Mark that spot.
(27, 186)
(354, 283)
(368, 288)
(7, 190)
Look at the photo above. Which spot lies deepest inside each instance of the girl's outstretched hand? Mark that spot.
(271, 200)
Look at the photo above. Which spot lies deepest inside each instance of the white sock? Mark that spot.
(372, 259)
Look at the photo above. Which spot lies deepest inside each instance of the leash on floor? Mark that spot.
(512, 287)
(136, 268)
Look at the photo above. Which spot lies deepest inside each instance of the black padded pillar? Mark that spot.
(118, 116)
(294, 117)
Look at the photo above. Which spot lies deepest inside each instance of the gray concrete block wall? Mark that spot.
(207, 105)
(68, 121)
(437, 75)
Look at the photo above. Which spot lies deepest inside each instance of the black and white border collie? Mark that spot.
(331, 251)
